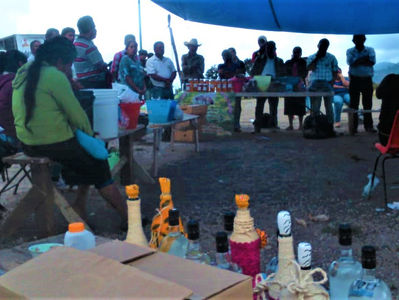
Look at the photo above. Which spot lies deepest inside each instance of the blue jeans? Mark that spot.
(322, 85)
(339, 101)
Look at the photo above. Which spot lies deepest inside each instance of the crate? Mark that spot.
(197, 109)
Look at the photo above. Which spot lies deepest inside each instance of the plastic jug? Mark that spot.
(78, 237)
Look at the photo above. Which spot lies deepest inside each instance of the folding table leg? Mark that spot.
(156, 144)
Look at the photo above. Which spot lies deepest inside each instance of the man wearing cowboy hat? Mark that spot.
(192, 63)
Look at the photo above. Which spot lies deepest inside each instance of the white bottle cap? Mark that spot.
(284, 223)
(305, 255)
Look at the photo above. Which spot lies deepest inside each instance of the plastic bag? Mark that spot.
(95, 147)
(125, 93)
(367, 189)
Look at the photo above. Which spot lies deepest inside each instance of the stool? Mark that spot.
(40, 199)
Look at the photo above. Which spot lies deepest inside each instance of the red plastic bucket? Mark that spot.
(238, 83)
(129, 115)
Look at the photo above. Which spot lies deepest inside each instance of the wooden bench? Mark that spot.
(158, 127)
(350, 112)
(39, 200)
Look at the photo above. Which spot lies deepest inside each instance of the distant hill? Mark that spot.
(382, 69)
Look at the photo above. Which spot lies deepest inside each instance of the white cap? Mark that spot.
(284, 222)
(305, 255)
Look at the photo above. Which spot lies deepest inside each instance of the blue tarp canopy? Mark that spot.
(307, 16)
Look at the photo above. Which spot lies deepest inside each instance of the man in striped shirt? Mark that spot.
(89, 65)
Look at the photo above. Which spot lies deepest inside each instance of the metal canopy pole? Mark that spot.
(141, 41)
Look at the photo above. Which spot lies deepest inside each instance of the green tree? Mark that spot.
(212, 73)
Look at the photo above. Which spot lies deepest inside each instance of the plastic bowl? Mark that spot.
(263, 82)
(38, 249)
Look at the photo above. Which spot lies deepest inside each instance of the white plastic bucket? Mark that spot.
(105, 113)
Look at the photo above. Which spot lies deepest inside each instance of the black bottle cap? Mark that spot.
(345, 234)
(173, 217)
(368, 257)
(222, 244)
(193, 230)
(229, 221)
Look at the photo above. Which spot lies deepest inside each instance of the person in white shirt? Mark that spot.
(162, 72)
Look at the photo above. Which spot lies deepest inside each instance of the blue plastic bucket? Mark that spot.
(161, 111)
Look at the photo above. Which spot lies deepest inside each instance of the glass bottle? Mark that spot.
(346, 269)
(135, 233)
(245, 242)
(175, 243)
(272, 265)
(367, 286)
(228, 219)
(223, 258)
(286, 270)
(194, 251)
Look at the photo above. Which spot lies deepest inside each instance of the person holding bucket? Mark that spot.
(46, 116)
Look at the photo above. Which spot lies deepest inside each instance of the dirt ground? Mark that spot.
(280, 171)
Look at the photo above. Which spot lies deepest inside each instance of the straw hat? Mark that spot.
(193, 42)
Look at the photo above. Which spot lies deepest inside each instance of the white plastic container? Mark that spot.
(78, 237)
(105, 113)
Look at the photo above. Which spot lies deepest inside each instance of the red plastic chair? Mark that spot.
(390, 151)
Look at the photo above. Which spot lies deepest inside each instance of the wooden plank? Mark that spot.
(66, 209)
(117, 168)
(23, 159)
(141, 173)
(26, 206)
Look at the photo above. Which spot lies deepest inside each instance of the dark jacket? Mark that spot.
(302, 71)
(6, 116)
(388, 91)
(260, 62)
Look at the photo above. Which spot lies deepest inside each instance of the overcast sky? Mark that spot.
(36, 16)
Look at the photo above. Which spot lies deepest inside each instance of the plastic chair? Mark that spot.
(390, 151)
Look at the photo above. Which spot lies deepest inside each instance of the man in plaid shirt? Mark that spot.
(324, 67)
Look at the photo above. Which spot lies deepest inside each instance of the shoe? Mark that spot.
(237, 130)
(371, 130)
(337, 125)
(289, 128)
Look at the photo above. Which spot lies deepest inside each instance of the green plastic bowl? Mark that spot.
(38, 249)
(263, 82)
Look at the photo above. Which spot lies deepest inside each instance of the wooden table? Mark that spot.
(284, 94)
(11, 258)
(128, 167)
(158, 127)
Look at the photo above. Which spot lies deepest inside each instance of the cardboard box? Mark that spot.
(70, 273)
(183, 133)
(205, 281)
(120, 270)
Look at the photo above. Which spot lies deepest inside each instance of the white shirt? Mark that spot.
(162, 67)
(269, 68)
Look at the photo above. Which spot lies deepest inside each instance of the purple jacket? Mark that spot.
(6, 116)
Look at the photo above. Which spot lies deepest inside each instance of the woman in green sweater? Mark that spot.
(46, 115)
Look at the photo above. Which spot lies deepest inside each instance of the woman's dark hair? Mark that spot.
(53, 50)
(13, 60)
(131, 42)
(2, 61)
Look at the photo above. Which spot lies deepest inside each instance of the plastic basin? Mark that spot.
(161, 111)
(263, 82)
(38, 249)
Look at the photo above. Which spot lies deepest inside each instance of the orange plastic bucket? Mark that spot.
(129, 114)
